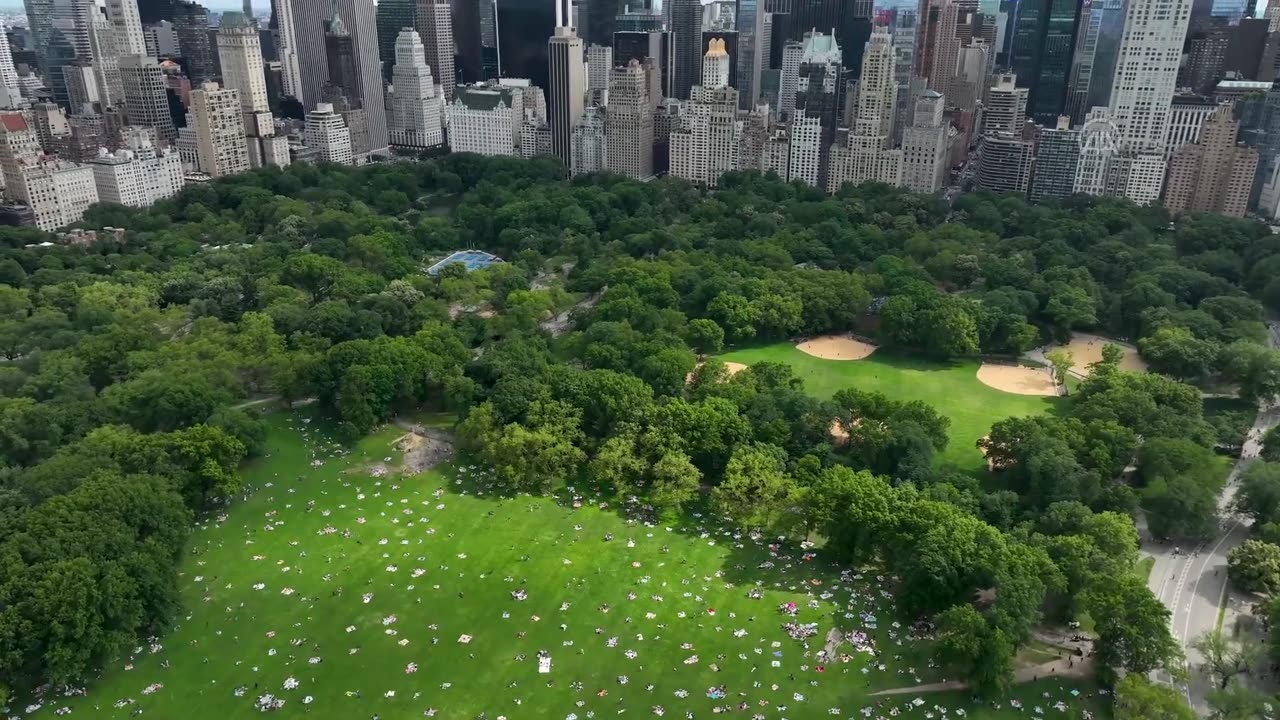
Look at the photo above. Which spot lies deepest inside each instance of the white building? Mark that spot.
(531, 96)
(287, 48)
(58, 192)
(1186, 116)
(792, 52)
(327, 133)
(705, 146)
(599, 66)
(485, 119)
(1006, 108)
(629, 122)
(240, 56)
(805, 161)
(864, 153)
(416, 106)
(535, 136)
(127, 24)
(1142, 92)
(924, 146)
(587, 148)
(162, 39)
(10, 89)
(218, 131)
(139, 175)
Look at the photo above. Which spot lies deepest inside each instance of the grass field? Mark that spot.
(339, 580)
(951, 388)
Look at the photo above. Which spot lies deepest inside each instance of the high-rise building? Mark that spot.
(146, 102)
(218, 131)
(139, 175)
(468, 41)
(523, 27)
(1006, 106)
(863, 153)
(1004, 164)
(1206, 53)
(1142, 92)
(161, 39)
(1246, 43)
(287, 48)
(640, 46)
(344, 82)
(310, 20)
(1093, 63)
(10, 89)
(599, 65)
(751, 51)
(485, 119)
(435, 28)
(705, 145)
(127, 24)
(943, 45)
(1057, 159)
(1044, 34)
(240, 56)
(568, 86)
(532, 99)
(924, 145)
(730, 40)
(686, 28)
(629, 123)
(392, 17)
(61, 32)
(903, 31)
(789, 77)
(416, 108)
(587, 146)
(1215, 174)
(191, 26)
(326, 132)
(818, 88)
(1186, 116)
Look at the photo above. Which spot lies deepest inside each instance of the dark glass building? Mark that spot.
(638, 46)
(392, 17)
(1044, 39)
(524, 27)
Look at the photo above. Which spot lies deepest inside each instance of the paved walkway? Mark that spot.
(1067, 667)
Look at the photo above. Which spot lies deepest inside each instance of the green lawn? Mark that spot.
(276, 589)
(951, 388)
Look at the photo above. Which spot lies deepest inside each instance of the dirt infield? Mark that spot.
(733, 368)
(1017, 380)
(836, 347)
(1087, 349)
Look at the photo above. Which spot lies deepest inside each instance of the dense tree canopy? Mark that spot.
(129, 366)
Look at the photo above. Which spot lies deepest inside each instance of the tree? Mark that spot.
(1137, 698)
(1132, 626)
(1254, 566)
(705, 336)
(1238, 702)
(1061, 361)
(1226, 659)
(755, 491)
(1259, 494)
(981, 653)
(1176, 351)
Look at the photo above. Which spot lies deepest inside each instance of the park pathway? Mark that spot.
(1067, 667)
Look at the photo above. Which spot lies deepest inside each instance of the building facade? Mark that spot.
(629, 122)
(565, 95)
(705, 145)
(326, 132)
(416, 108)
(588, 150)
(218, 131)
(139, 175)
(1215, 174)
(486, 120)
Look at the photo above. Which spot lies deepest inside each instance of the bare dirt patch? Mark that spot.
(1017, 380)
(423, 449)
(838, 434)
(733, 368)
(1086, 349)
(836, 347)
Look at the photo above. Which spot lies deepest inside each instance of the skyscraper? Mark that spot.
(1004, 164)
(523, 27)
(751, 51)
(686, 28)
(818, 88)
(705, 145)
(1044, 33)
(61, 31)
(393, 16)
(1057, 158)
(240, 55)
(1145, 79)
(359, 17)
(639, 46)
(468, 42)
(128, 26)
(599, 65)
(215, 118)
(1093, 62)
(629, 123)
(191, 25)
(416, 109)
(1006, 106)
(587, 145)
(1215, 174)
(10, 95)
(435, 28)
(863, 152)
(287, 47)
(568, 85)
(924, 145)
(146, 102)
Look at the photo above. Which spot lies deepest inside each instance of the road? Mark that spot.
(1193, 583)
